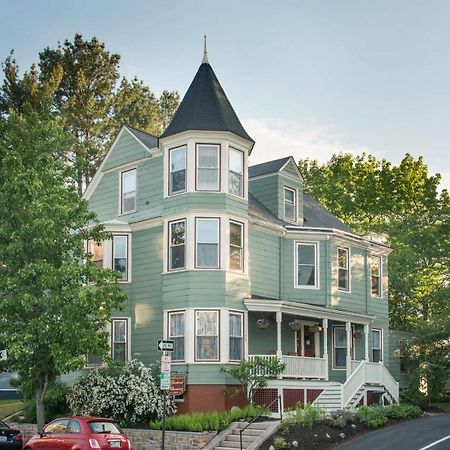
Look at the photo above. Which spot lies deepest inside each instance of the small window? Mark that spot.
(236, 337)
(207, 243)
(119, 339)
(236, 172)
(236, 246)
(128, 191)
(375, 271)
(208, 168)
(177, 170)
(120, 256)
(290, 204)
(340, 347)
(177, 245)
(207, 336)
(96, 251)
(377, 341)
(176, 334)
(306, 255)
(343, 269)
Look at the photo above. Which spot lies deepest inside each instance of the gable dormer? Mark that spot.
(278, 185)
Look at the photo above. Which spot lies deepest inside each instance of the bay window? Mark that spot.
(377, 353)
(177, 170)
(343, 269)
(176, 334)
(236, 245)
(207, 335)
(290, 204)
(128, 191)
(236, 336)
(177, 244)
(207, 243)
(306, 261)
(120, 255)
(375, 275)
(208, 167)
(236, 172)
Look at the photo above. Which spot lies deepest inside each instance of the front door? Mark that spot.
(308, 344)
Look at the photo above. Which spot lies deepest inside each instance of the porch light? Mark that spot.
(316, 328)
(295, 325)
(357, 334)
(262, 323)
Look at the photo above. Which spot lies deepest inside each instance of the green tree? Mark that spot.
(82, 79)
(54, 302)
(403, 204)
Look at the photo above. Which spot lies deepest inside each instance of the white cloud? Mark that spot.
(276, 138)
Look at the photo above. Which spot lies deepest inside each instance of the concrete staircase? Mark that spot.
(329, 399)
(252, 437)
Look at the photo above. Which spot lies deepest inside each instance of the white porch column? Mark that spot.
(279, 320)
(302, 339)
(325, 346)
(366, 342)
(348, 329)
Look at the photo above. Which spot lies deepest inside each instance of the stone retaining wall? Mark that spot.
(145, 439)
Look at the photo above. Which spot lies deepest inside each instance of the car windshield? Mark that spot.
(104, 427)
(3, 425)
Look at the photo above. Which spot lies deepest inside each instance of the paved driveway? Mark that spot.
(419, 434)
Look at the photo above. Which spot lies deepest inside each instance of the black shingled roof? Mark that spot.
(205, 107)
(147, 139)
(267, 167)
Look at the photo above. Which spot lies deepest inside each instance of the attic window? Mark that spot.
(290, 204)
(128, 191)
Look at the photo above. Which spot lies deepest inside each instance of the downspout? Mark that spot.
(283, 233)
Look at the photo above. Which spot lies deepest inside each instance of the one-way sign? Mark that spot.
(165, 345)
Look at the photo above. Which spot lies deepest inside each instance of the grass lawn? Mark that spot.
(8, 407)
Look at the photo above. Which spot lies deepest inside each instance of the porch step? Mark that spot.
(237, 438)
(329, 399)
(234, 444)
(249, 432)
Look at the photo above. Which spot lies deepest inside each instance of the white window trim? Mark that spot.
(352, 349)
(219, 245)
(231, 149)
(169, 314)
(121, 173)
(218, 330)
(169, 173)
(380, 262)
(288, 188)
(241, 315)
(316, 261)
(349, 271)
(169, 246)
(128, 236)
(241, 224)
(127, 335)
(219, 167)
(380, 330)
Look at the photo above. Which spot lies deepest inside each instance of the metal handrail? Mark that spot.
(241, 430)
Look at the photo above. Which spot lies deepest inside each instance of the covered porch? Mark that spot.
(314, 343)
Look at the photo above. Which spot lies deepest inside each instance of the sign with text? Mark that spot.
(165, 363)
(177, 384)
(165, 345)
(164, 381)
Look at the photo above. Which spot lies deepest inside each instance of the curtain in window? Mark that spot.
(236, 340)
(119, 339)
(176, 333)
(207, 347)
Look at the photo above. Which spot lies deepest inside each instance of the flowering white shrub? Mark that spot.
(128, 393)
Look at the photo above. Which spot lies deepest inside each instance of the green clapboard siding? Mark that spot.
(266, 191)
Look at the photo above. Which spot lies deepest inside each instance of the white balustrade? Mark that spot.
(354, 364)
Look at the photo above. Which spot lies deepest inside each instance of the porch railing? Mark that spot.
(354, 364)
(299, 366)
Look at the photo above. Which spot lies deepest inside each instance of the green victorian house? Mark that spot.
(231, 261)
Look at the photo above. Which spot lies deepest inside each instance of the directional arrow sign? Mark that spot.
(165, 345)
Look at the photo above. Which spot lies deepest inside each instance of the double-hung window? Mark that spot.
(96, 251)
(208, 167)
(120, 255)
(207, 335)
(177, 170)
(128, 191)
(343, 269)
(375, 274)
(236, 245)
(119, 339)
(177, 244)
(306, 273)
(207, 243)
(340, 347)
(377, 345)
(236, 172)
(290, 204)
(176, 334)
(236, 337)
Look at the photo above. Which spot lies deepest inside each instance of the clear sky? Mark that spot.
(307, 78)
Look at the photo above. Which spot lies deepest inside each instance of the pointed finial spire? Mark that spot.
(205, 52)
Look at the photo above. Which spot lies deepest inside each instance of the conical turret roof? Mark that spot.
(205, 107)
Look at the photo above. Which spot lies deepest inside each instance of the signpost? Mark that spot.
(165, 346)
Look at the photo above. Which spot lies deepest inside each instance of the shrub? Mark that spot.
(376, 417)
(127, 392)
(402, 411)
(304, 416)
(280, 442)
(213, 421)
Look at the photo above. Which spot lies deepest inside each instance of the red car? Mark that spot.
(80, 433)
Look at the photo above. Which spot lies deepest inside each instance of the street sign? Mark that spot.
(165, 345)
(3, 355)
(165, 381)
(165, 363)
(177, 384)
